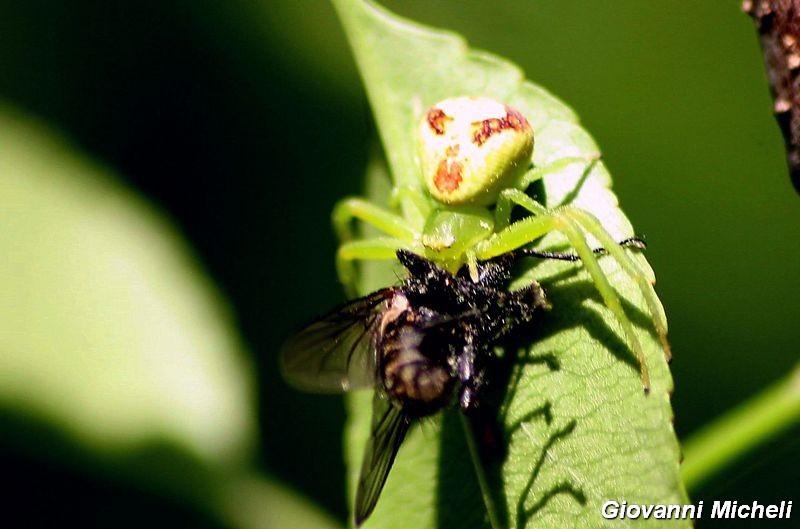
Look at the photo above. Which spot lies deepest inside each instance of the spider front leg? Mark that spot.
(539, 172)
(376, 249)
(504, 207)
(416, 207)
(545, 221)
(354, 208)
(590, 223)
(401, 235)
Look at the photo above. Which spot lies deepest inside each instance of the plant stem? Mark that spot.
(486, 491)
(772, 411)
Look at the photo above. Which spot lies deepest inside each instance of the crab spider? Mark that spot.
(476, 164)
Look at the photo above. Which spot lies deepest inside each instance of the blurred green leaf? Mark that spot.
(252, 502)
(578, 427)
(110, 331)
(116, 351)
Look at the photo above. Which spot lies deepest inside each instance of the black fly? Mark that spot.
(423, 345)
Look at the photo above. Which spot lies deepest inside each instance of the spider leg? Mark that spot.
(472, 266)
(590, 223)
(415, 206)
(515, 236)
(400, 232)
(545, 221)
(539, 172)
(503, 208)
(377, 249)
(354, 208)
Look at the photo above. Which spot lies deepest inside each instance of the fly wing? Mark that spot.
(336, 352)
(389, 427)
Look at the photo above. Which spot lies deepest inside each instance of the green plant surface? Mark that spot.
(578, 428)
(112, 332)
(767, 414)
(117, 354)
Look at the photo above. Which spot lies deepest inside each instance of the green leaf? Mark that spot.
(254, 502)
(111, 334)
(578, 428)
(117, 354)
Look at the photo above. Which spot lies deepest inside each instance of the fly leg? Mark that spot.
(471, 367)
(465, 370)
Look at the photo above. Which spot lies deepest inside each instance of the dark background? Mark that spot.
(246, 121)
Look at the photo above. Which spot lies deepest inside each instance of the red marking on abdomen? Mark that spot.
(513, 120)
(436, 118)
(448, 176)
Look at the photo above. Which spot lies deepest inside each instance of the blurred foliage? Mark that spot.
(118, 357)
(111, 332)
(245, 121)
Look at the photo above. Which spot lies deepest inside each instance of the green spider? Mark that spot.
(476, 163)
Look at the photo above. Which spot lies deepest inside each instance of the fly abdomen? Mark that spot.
(416, 381)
